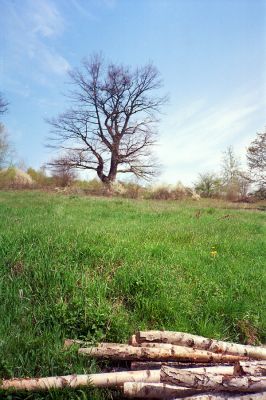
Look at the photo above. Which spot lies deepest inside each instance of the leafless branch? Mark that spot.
(3, 105)
(112, 120)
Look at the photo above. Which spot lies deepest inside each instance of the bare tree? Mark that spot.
(208, 185)
(111, 127)
(256, 155)
(3, 105)
(236, 181)
(6, 151)
(230, 167)
(63, 175)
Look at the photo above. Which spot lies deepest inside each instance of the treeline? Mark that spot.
(231, 182)
(67, 182)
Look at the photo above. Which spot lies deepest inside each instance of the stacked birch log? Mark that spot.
(168, 365)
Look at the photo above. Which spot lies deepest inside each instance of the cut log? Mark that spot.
(155, 390)
(255, 368)
(226, 396)
(223, 370)
(199, 342)
(216, 382)
(170, 346)
(112, 379)
(241, 368)
(173, 353)
(250, 368)
(139, 365)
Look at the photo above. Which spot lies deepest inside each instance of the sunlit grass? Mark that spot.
(100, 269)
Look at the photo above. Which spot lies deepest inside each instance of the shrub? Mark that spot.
(93, 187)
(41, 180)
(168, 192)
(134, 191)
(15, 178)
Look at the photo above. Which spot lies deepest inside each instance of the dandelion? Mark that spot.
(213, 252)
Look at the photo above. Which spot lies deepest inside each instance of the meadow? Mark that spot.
(100, 268)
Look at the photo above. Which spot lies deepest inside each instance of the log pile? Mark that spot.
(167, 365)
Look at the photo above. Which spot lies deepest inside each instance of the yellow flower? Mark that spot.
(213, 252)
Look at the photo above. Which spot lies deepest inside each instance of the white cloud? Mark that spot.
(82, 9)
(194, 137)
(30, 28)
(45, 18)
(51, 60)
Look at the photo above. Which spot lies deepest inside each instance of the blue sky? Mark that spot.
(211, 54)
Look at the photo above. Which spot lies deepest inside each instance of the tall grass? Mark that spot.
(98, 269)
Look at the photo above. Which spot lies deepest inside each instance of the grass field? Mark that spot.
(101, 268)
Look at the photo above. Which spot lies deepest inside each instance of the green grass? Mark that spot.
(99, 269)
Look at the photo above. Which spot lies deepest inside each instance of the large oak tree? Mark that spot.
(111, 126)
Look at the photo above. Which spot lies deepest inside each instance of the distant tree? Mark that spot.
(5, 146)
(230, 167)
(235, 181)
(208, 185)
(63, 175)
(256, 155)
(40, 178)
(111, 127)
(6, 151)
(3, 105)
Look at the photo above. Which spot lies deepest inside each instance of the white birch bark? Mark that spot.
(112, 379)
(216, 382)
(227, 396)
(200, 342)
(250, 368)
(155, 390)
(172, 353)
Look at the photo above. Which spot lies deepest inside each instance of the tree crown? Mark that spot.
(111, 126)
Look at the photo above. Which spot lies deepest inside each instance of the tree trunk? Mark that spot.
(173, 353)
(155, 390)
(100, 173)
(112, 379)
(113, 169)
(216, 382)
(199, 342)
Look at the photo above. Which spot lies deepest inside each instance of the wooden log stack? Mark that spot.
(167, 365)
